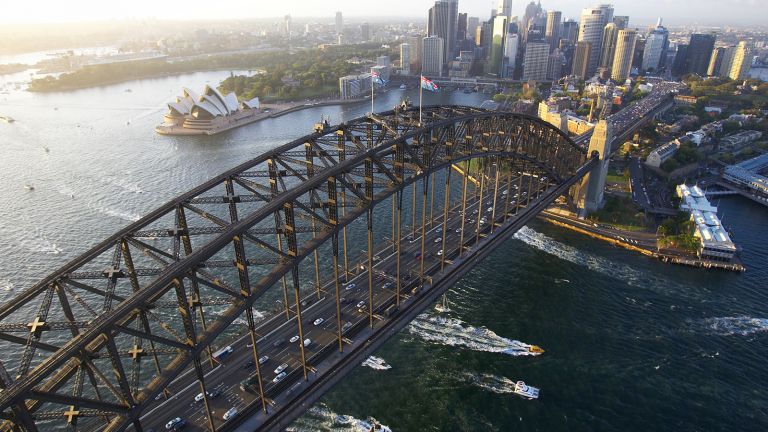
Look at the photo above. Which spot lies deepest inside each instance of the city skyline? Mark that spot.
(739, 12)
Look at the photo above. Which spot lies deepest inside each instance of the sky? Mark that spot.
(706, 12)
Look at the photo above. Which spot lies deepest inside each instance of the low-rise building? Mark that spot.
(747, 175)
(661, 154)
(738, 140)
(685, 100)
(714, 242)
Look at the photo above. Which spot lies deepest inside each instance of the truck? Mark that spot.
(223, 353)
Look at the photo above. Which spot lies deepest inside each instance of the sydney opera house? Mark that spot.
(208, 113)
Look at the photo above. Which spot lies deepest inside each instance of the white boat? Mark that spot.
(29, 187)
(443, 305)
(7, 119)
(526, 391)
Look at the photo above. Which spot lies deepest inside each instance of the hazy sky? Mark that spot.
(722, 12)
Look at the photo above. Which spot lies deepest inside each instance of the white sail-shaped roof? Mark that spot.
(215, 102)
(252, 104)
(231, 101)
(206, 107)
(213, 93)
(177, 109)
(187, 102)
(190, 93)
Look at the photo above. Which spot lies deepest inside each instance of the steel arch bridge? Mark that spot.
(94, 345)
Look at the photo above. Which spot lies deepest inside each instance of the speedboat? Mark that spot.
(526, 391)
(535, 349)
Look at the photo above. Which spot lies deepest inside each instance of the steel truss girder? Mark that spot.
(378, 156)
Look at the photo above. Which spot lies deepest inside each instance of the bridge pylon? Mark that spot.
(587, 195)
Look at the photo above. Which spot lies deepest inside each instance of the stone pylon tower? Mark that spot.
(588, 194)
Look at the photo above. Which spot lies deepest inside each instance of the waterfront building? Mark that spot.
(581, 59)
(339, 23)
(354, 86)
(655, 49)
(610, 39)
(625, 49)
(496, 57)
(741, 62)
(405, 59)
(747, 175)
(699, 53)
(207, 113)
(552, 32)
(433, 57)
(714, 242)
(535, 61)
(385, 63)
(443, 19)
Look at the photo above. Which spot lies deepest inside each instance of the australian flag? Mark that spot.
(427, 84)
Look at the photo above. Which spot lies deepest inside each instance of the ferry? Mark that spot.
(526, 391)
(535, 349)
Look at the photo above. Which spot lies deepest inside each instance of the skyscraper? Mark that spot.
(621, 21)
(461, 28)
(510, 53)
(405, 58)
(555, 66)
(505, 9)
(532, 10)
(591, 26)
(536, 61)
(699, 53)
(496, 57)
(610, 37)
(625, 50)
(415, 46)
(365, 32)
(725, 65)
(679, 64)
(433, 58)
(581, 59)
(552, 33)
(443, 20)
(570, 31)
(472, 24)
(716, 61)
(339, 23)
(655, 48)
(287, 26)
(741, 62)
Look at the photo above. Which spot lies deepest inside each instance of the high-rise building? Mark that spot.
(655, 49)
(581, 59)
(621, 21)
(443, 18)
(433, 58)
(472, 24)
(741, 62)
(365, 31)
(496, 57)
(699, 52)
(625, 50)
(485, 36)
(505, 9)
(461, 28)
(570, 31)
(555, 66)
(287, 26)
(591, 26)
(637, 58)
(679, 64)
(532, 10)
(725, 65)
(610, 37)
(415, 46)
(535, 61)
(552, 32)
(716, 61)
(510, 53)
(405, 58)
(339, 23)
(354, 86)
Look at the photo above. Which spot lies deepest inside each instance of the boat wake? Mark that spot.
(258, 316)
(454, 332)
(322, 418)
(6, 285)
(40, 244)
(376, 363)
(492, 383)
(740, 325)
(126, 216)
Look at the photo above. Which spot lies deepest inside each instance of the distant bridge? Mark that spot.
(123, 336)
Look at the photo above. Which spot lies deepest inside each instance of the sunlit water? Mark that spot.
(631, 343)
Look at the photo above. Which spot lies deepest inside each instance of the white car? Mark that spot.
(307, 341)
(490, 209)
(199, 397)
(229, 414)
(279, 377)
(350, 286)
(318, 321)
(263, 359)
(361, 304)
(176, 423)
(440, 252)
(458, 230)
(438, 240)
(294, 339)
(281, 368)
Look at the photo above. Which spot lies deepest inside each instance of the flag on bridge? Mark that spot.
(427, 84)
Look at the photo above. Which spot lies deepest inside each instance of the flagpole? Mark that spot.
(421, 90)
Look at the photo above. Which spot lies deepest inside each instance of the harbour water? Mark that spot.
(631, 344)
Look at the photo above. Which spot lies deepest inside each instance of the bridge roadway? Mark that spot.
(227, 377)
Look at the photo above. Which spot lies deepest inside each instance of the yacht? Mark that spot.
(443, 305)
(526, 391)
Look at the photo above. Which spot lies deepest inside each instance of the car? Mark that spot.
(279, 377)
(387, 285)
(490, 209)
(249, 364)
(346, 326)
(278, 342)
(175, 424)
(438, 240)
(230, 413)
(281, 368)
(307, 342)
(350, 286)
(214, 393)
(294, 339)
(361, 304)
(318, 321)
(376, 258)
(458, 230)
(263, 359)
(440, 252)
(199, 397)
(504, 193)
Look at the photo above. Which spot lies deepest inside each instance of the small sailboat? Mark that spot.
(443, 305)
